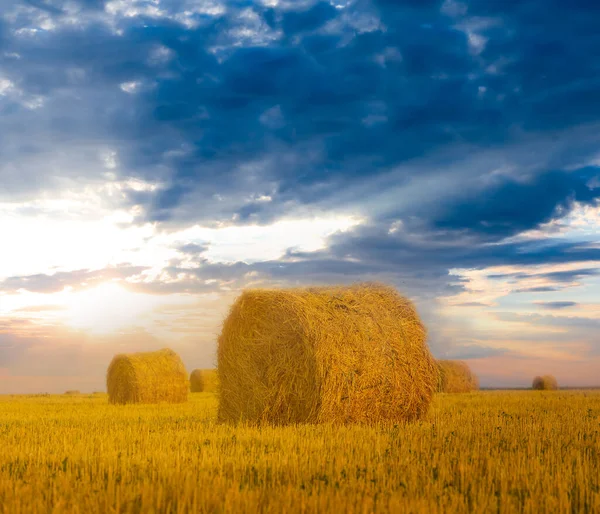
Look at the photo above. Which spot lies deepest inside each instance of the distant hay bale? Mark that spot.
(324, 355)
(72, 391)
(147, 377)
(545, 383)
(456, 377)
(204, 381)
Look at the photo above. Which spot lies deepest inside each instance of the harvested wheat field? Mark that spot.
(204, 381)
(456, 377)
(493, 451)
(324, 354)
(147, 377)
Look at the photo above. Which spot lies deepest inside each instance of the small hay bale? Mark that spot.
(204, 381)
(72, 391)
(545, 383)
(324, 355)
(147, 377)
(456, 377)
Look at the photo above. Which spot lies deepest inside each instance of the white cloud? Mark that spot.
(132, 8)
(389, 54)
(476, 42)
(490, 285)
(257, 243)
(130, 87)
(472, 27)
(6, 86)
(160, 55)
(453, 8)
(9, 90)
(252, 30)
(110, 159)
(75, 229)
(396, 226)
(273, 118)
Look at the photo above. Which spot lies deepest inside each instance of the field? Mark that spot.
(492, 451)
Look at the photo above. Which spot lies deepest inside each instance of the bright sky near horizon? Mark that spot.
(158, 156)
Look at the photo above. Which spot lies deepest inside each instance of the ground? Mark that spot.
(491, 451)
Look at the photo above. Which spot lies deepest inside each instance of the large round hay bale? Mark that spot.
(328, 354)
(456, 377)
(147, 377)
(204, 381)
(545, 383)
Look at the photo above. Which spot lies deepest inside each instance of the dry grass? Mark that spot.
(72, 391)
(546, 383)
(456, 377)
(333, 355)
(147, 377)
(204, 381)
(523, 452)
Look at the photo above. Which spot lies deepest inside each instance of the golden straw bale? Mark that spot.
(545, 383)
(324, 355)
(147, 377)
(204, 381)
(456, 377)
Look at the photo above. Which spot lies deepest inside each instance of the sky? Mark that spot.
(159, 156)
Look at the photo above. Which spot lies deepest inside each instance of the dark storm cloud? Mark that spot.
(512, 207)
(44, 5)
(569, 276)
(320, 107)
(332, 96)
(556, 305)
(540, 289)
(418, 267)
(57, 7)
(373, 245)
(193, 249)
(557, 276)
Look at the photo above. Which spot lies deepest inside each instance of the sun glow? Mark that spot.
(108, 308)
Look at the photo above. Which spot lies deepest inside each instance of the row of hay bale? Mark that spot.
(147, 377)
(545, 383)
(153, 377)
(456, 377)
(204, 381)
(310, 355)
(340, 354)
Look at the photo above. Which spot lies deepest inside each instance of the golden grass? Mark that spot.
(333, 355)
(147, 377)
(456, 377)
(72, 391)
(546, 382)
(204, 381)
(525, 452)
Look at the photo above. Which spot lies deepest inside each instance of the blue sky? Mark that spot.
(158, 156)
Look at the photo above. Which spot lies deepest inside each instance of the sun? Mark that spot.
(107, 308)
